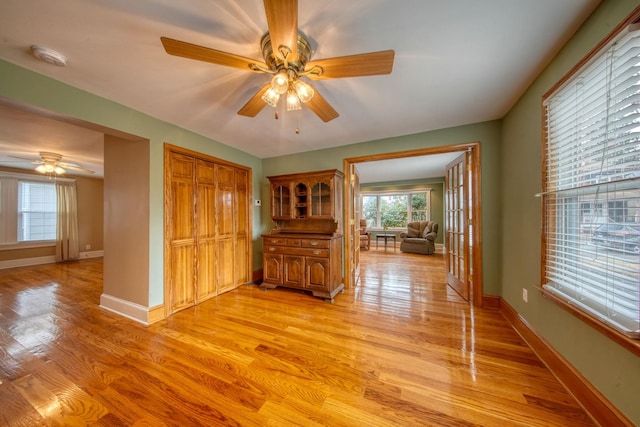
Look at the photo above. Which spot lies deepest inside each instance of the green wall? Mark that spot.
(34, 90)
(608, 366)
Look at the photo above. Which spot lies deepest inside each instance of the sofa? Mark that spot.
(419, 238)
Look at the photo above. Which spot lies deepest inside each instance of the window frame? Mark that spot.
(618, 336)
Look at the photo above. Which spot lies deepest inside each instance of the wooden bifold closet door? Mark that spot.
(207, 228)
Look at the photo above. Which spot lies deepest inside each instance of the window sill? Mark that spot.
(27, 245)
(630, 344)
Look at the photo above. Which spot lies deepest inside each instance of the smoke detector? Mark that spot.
(49, 56)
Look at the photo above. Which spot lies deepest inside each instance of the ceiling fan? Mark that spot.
(287, 57)
(52, 164)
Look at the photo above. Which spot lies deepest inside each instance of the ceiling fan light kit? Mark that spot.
(287, 63)
(50, 169)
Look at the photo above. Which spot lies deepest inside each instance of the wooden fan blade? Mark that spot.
(282, 19)
(76, 168)
(201, 53)
(364, 64)
(25, 159)
(255, 104)
(321, 107)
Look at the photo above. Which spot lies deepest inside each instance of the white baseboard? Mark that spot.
(128, 309)
(25, 262)
(91, 254)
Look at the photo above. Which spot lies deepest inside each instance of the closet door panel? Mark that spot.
(225, 200)
(242, 261)
(243, 240)
(225, 262)
(181, 232)
(225, 239)
(206, 283)
(182, 278)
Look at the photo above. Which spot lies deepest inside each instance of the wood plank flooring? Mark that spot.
(400, 349)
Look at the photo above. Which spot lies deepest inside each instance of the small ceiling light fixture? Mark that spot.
(50, 169)
(304, 91)
(293, 102)
(271, 97)
(280, 82)
(49, 56)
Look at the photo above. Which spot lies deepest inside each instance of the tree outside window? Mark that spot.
(419, 207)
(393, 211)
(370, 210)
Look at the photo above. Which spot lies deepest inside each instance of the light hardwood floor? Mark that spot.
(399, 349)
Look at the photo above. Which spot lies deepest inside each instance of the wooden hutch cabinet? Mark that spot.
(304, 251)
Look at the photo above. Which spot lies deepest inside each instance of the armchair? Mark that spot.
(365, 236)
(419, 238)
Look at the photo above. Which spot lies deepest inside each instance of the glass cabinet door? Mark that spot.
(321, 199)
(281, 205)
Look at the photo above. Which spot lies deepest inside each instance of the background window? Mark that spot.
(395, 210)
(36, 211)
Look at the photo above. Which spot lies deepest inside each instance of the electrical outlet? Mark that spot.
(88, 247)
(525, 295)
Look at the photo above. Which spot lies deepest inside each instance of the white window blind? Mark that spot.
(36, 211)
(591, 195)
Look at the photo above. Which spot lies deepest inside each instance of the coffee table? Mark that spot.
(386, 238)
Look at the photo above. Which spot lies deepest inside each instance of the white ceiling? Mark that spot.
(456, 62)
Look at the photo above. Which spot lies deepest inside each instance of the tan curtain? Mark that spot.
(67, 221)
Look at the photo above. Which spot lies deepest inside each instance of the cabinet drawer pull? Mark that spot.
(314, 243)
(317, 252)
(272, 249)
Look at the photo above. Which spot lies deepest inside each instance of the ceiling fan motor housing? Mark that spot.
(50, 157)
(275, 63)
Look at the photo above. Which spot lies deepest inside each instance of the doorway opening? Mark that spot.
(473, 247)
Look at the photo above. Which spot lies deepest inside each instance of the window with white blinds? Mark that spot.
(591, 195)
(36, 211)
